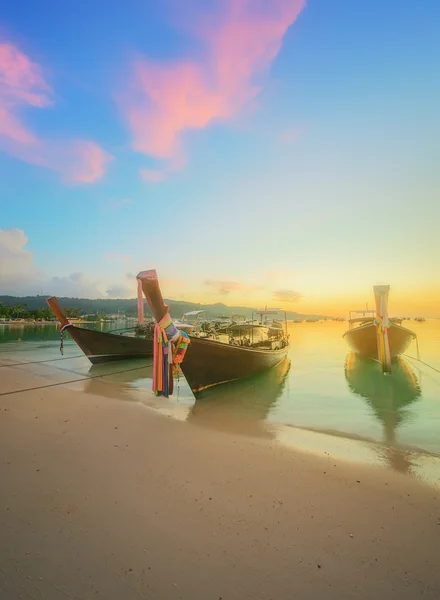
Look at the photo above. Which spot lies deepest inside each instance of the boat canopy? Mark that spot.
(361, 320)
(193, 313)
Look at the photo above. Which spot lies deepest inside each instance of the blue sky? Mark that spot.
(246, 151)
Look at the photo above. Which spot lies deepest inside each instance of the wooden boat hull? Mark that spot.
(208, 363)
(363, 340)
(101, 347)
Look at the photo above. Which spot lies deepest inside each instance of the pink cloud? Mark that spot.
(165, 100)
(21, 81)
(22, 85)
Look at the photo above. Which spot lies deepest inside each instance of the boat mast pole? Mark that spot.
(57, 311)
(152, 293)
(151, 289)
(383, 345)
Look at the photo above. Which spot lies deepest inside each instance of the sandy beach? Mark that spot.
(108, 499)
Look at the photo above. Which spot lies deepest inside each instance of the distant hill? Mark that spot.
(128, 307)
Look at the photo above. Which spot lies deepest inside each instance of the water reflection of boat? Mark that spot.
(388, 396)
(109, 381)
(241, 407)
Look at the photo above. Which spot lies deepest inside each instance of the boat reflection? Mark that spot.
(111, 381)
(388, 396)
(133, 384)
(242, 407)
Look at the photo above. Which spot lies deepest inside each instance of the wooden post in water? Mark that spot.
(383, 345)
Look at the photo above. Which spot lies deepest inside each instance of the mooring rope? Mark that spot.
(37, 362)
(49, 385)
(418, 359)
(421, 361)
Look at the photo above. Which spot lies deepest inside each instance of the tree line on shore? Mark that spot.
(18, 311)
(126, 307)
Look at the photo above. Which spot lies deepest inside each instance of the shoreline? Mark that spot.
(102, 497)
(414, 461)
(73, 321)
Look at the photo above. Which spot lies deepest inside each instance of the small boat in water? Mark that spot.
(373, 335)
(396, 320)
(98, 346)
(208, 362)
(189, 322)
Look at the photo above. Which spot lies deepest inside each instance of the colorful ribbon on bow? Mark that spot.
(383, 344)
(170, 345)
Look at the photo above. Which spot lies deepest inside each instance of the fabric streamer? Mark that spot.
(170, 345)
(140, 303)
(383, 345)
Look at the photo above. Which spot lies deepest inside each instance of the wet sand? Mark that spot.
(108, 499)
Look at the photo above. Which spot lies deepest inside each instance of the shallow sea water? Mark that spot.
(322, 399)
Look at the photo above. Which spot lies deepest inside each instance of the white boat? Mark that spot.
(189, 322)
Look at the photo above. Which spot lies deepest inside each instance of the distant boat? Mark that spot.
(186, 324)
(420, 320)
(221, 323)
(372, 334)
(396, 320)
(101, 347)
(247, 328)
(275, 328)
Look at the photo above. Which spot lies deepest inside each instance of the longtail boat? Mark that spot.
(372, 334)
(98, 346)
(207, 362)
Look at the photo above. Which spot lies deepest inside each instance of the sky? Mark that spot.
(253, 152)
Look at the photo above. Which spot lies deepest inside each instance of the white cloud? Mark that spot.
(120, 291)
(19, 275)
(17, 269)
(75, 285)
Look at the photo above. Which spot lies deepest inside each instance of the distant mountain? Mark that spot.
(128, 306)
